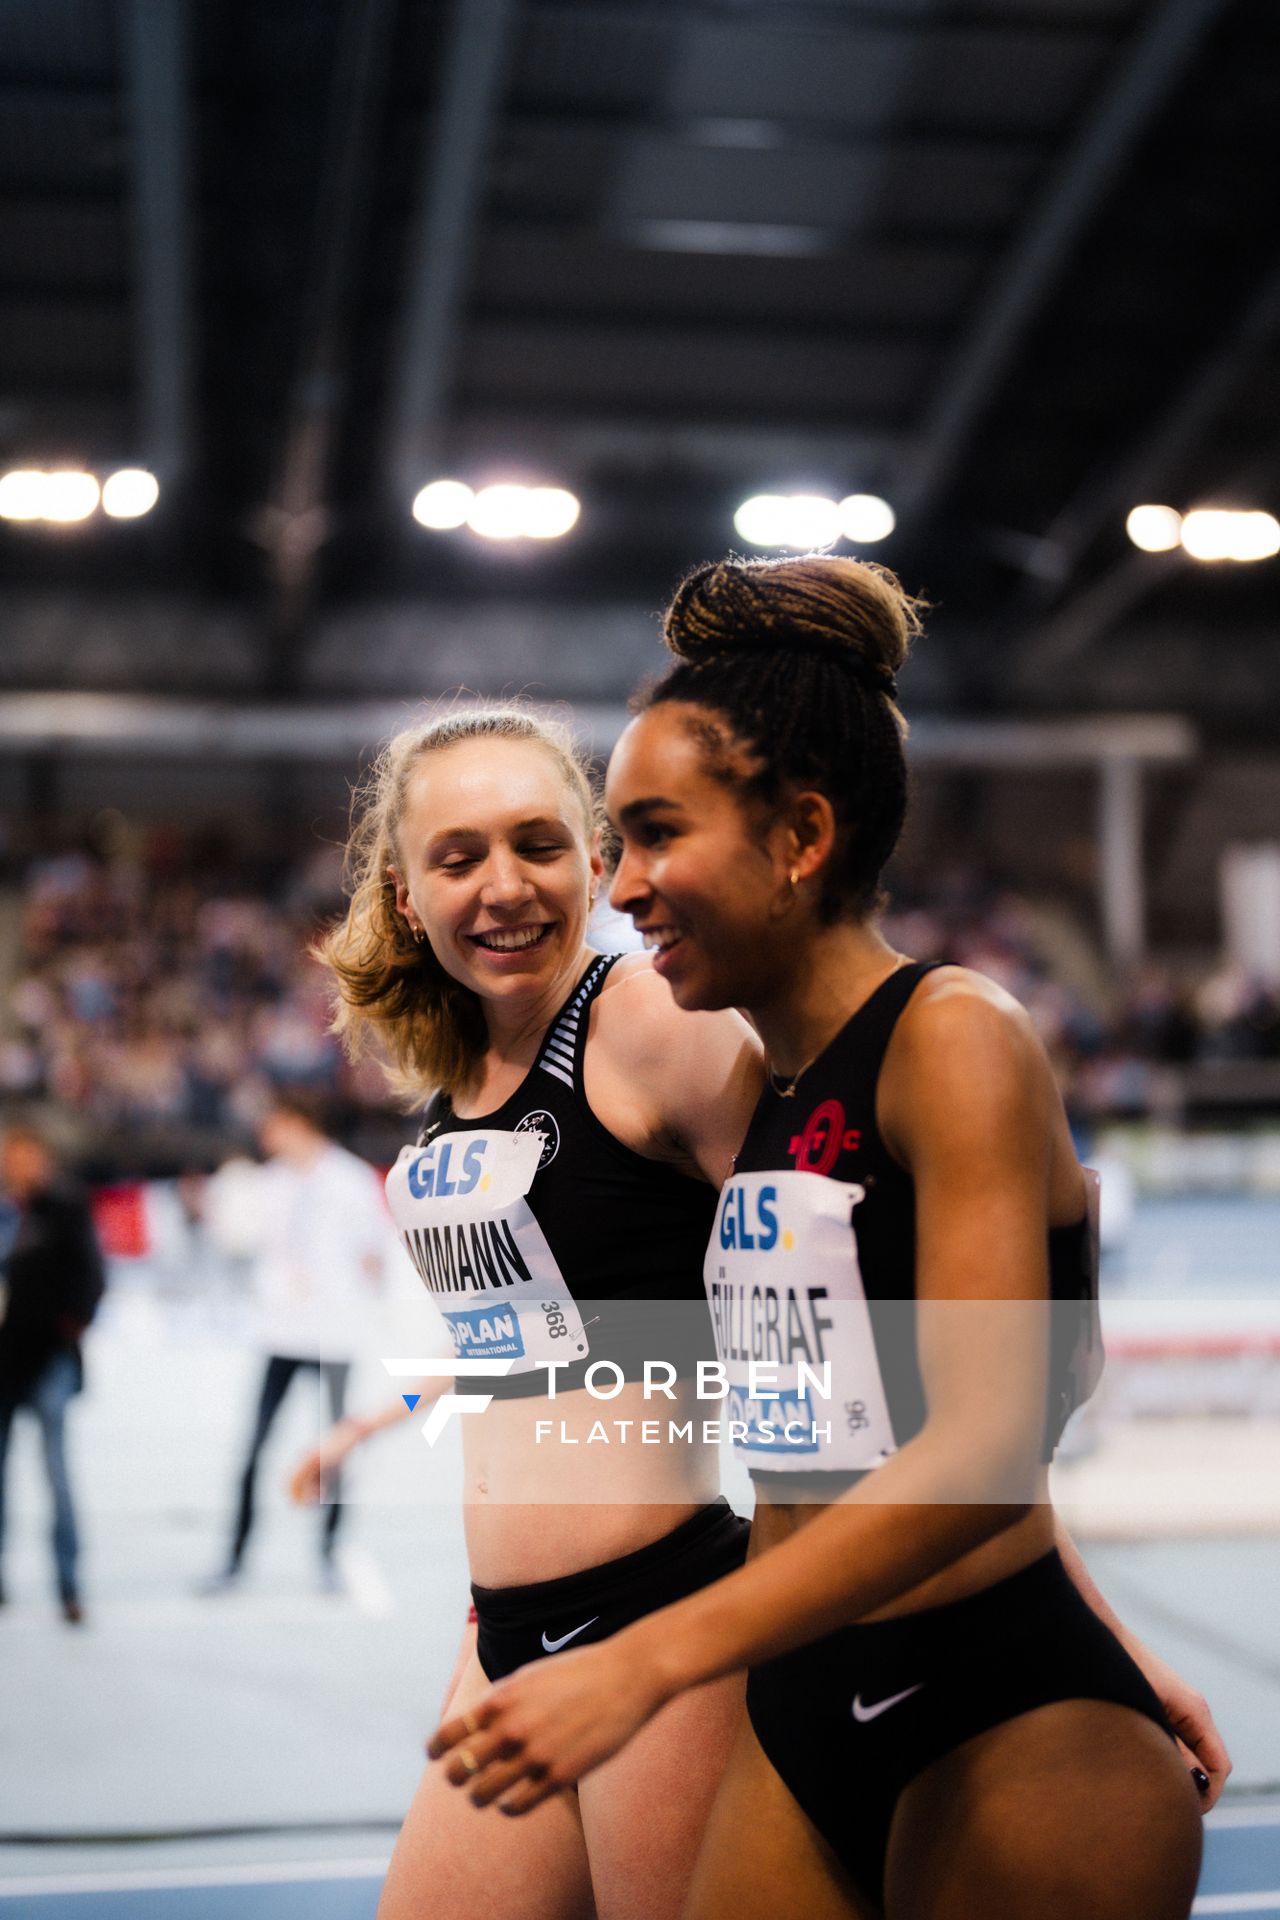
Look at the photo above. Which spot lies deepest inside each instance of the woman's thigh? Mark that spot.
(1081, 1810)
(762, 1858)
(470, 1863)
(644, 1811)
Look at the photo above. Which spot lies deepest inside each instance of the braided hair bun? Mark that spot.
(796, 660)
(822, 603)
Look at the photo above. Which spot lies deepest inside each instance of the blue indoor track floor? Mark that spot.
(1241, 1875)
(188, 1758)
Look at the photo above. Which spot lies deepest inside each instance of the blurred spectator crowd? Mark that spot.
(171, 989)
(1119, 1047)
(162, 991)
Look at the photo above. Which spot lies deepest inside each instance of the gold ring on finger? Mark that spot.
(470, 1722)
(468, 1760)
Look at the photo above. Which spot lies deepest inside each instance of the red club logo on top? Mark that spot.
(823, 1138)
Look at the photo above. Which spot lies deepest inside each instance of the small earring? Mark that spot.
(795, 878)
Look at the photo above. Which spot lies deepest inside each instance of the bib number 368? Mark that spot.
(556, 1324)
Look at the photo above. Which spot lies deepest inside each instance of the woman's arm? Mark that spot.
(977, 1140)
(310, 1478)
(973, 1126)
(1187, 1710)
(677, 1086)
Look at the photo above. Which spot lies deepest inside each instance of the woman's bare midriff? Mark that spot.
(1017, 1546)
(545, 1495)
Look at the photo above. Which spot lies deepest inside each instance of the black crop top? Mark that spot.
(542, 1237)
(829, 1128)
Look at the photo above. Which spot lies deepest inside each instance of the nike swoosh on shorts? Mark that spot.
(863, 1714)
(554, 1646)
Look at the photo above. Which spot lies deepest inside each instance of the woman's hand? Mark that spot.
(543, 1727)
(1186, 1710)
(312, 1476)
(1189, 1716)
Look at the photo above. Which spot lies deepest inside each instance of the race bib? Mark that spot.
(788, 1306)
(460, 1204)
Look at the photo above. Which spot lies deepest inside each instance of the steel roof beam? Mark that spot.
(296, 525)
(1099, 607)
(450, 190)
(1146, 470)
(1145, 75)
(763, 133)
(893, 17)
(157, 78)
(235, 729)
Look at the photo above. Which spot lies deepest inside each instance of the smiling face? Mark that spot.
(497, 864)
(701, 878)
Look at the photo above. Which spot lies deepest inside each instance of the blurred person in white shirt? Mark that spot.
(320, 1243)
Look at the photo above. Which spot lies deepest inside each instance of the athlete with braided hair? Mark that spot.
(940, 1720)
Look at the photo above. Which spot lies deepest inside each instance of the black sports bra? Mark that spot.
(807, 1287)
(543, 1239)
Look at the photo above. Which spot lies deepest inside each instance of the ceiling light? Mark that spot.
(22, 495)
(801, 521)
(1154, 529)
(549, 512)
(498, 513)
(1219, 533)
(1257, 537)
(443, 505)
(506, 511)
(866, 518)
(129, 494)
(69, 496)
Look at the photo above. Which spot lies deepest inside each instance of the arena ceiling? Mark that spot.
(1011, 264)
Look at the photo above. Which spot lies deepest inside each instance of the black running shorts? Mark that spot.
(850, 1720)
(519, 1624)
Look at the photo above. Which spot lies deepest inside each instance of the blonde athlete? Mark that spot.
(556, 1205)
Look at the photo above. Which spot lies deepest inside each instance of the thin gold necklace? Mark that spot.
(786, 1089)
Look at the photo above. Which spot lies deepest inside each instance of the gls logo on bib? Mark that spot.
(462, 1210)
(784, 1285)
(428, 1172)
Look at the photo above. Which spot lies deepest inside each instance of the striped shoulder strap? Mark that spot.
(561, 1054)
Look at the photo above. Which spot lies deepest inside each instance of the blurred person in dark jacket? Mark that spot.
(52, 1283)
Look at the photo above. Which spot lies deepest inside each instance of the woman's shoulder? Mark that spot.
(631, 966)
(956, 998)
(638, 1017)
(967, 1084)
(687, 1081)
(958, 1025)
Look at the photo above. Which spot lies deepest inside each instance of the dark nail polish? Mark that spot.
(1201, 1779)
